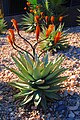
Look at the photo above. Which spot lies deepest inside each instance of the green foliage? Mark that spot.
(28, 23)
(53, 7)
(33, 2)
(2, 25)
(48, 43)
(39, 80)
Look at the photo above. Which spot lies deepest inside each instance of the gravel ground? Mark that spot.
(67, 108)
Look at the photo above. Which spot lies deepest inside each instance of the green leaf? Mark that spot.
(46, 70)
(36, 73)
(17, 73)
(37, 99)
(53, 89)
(45, 59)
(23, 93)
(27, 99)
(44, 103)
(52, 95)
(26, 72)
(55, 73)
(56, 80)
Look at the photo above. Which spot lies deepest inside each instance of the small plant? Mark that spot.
(54, 38)
(28, 22)
(39, 79)
(2, 25)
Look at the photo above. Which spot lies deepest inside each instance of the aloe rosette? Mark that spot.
(39, 80)
(56, 40)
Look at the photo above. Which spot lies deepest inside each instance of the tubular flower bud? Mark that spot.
(25, 8)
(46, 19)
(9, 39)
(11, 33)
(37, 7)
(15, 25)
(36, 18)
(31, 11)
(49, 30)
(60, 18)
(42, 14)
(37, 32)
(57, 38)
(28, 3)
(52, 19)
(35, 12)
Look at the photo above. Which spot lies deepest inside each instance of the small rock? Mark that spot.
(10, 109)
(12, 113)
(74, 107)
(77, 112)
(48, 115)
(71, 93)
(65, 93)
(50, 109)
(61, 107)
(70, 118)
(60, 102)
(1, 92)
(12, 118)
(51, 118)
(72, 115)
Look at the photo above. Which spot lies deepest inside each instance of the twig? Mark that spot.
(24, 50)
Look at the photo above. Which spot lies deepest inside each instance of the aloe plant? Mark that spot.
(39, 81)
(2, 25)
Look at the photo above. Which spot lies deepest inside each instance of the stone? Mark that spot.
(65, 93)
(48, 115)
(51, 118)
(77, 112)
(10, 109)
(60, 102)
(12, 114)
(74, 107)
(61, 107)
(70, 118)
(71, 115)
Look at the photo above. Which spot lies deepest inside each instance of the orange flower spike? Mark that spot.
(57, 37)
(46, 19)
(28, 3)
(47, 33)
(37, 32)
(52, 19)
(25, 8)
(49, 30)
(51, 27)
(9, 39)
(15, 25)
(36, 18)
(60, 19)
(42, 13)
(11, 33)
